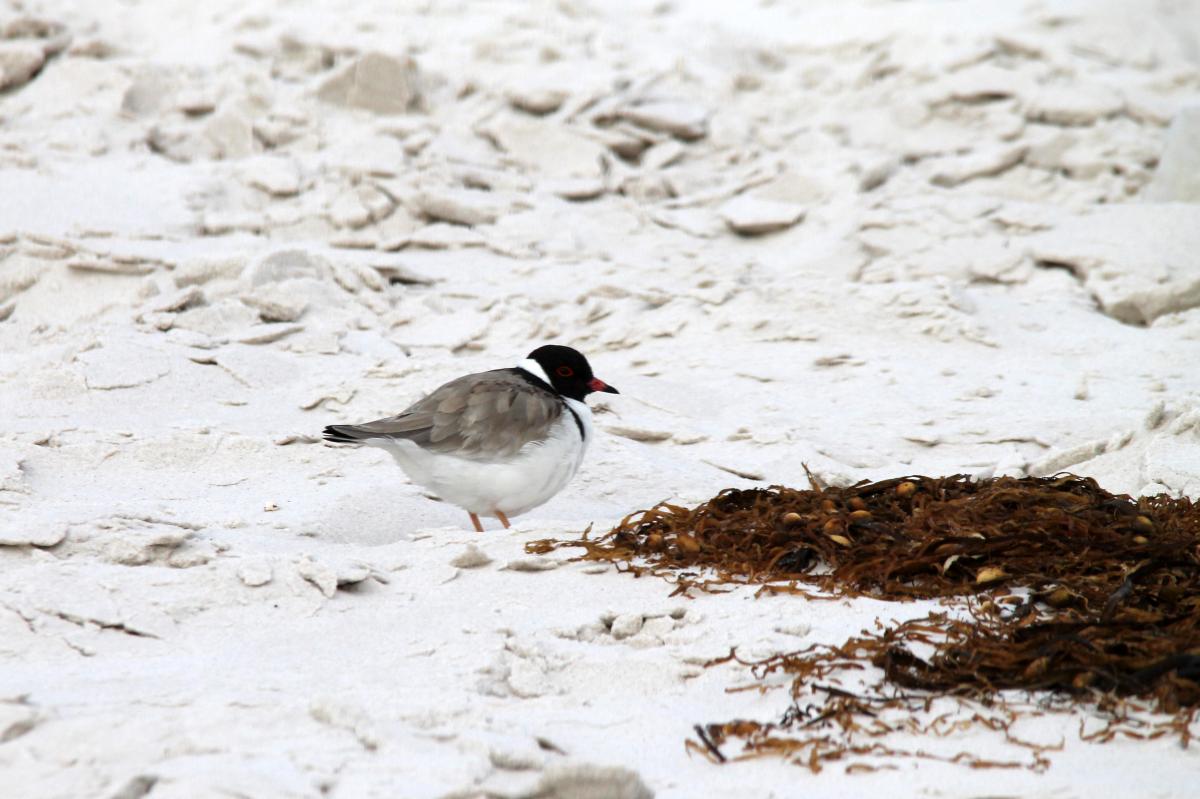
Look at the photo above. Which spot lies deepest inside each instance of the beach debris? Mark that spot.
(1054, 585)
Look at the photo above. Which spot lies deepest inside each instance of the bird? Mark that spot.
(496, 443)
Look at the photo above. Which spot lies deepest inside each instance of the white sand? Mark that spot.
(961, 254)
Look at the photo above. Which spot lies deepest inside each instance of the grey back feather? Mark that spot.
(485, 416)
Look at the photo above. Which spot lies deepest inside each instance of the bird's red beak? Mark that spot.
(596, 384)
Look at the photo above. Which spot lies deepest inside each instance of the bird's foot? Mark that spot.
(503, 519)
(475, 521)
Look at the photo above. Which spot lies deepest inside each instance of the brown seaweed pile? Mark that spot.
(1062, 587)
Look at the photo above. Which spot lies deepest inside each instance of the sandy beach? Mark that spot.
(870, 238)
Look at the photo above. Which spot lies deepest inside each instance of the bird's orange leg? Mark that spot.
(475, 521)
(503, 519)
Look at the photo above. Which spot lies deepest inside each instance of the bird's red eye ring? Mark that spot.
(564, 371)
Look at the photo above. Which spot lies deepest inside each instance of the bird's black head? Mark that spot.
(568, 371)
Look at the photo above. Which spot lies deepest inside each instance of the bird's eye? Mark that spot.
(564, 371)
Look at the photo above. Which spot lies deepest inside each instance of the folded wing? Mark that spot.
(486, 416)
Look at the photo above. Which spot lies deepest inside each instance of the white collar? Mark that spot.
(535, 369)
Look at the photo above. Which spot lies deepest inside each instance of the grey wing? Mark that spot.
(485, 416)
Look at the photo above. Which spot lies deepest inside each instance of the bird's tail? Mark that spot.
(347, 434)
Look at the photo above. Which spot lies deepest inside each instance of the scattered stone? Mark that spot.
(136, 787)
(375, 82)
(517, 760)
(19, 62)
(537, 101)
(279, 177)
(203, 270)
(1155, 416)
(471, 558)
(577, 189)
(353, 277)
(996, 261)
(256, 572)
(646, 189)
(396, 273)
(33, 536)
(221, 223)
(49, 248)
(179, 143)
(683, 120)
(231, 134)
(287, 265)
(267, 333)
(1177, 176)
(158, 320)
(319, 574)
(693, 221)
(626, 141)
(352, 572)
(550, 150)
(191, 556)
(335, 713)
(360, 206)
(950, 172)
(626, 625)
(53, 36)
(145, 96)
(638, 433)
(982, 84)
(750, 216)
(443, 236)
(192, 338)
(876, 170)
(662, 155)
(91, 263)
(1072, 106)
(277, 131)
(94, 47)
(276, 305)
(180, 300)
(459, 206)
(196, 102)
(16, 719)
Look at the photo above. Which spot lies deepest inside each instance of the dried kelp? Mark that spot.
(1065, 588)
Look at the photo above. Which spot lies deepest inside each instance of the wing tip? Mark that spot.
(339, 434)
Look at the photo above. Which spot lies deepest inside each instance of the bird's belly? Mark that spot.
(533, 476)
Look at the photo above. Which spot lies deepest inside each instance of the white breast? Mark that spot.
(537, 472)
